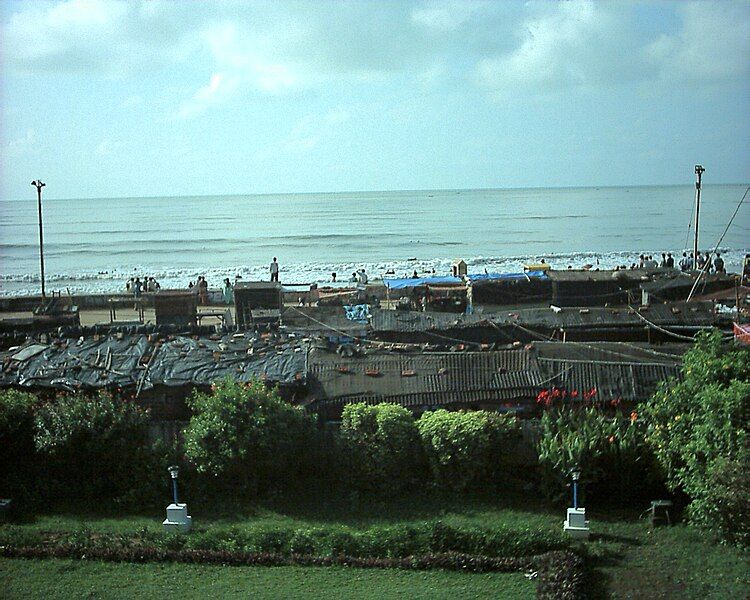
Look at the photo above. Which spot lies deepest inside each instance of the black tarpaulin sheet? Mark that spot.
(134, 360)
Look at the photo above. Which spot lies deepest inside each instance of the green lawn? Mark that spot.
(625, 559)
(82, 579)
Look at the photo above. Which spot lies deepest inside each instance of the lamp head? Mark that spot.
(575, 474)
(174, 471)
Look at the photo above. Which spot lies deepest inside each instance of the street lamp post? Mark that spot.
(576, 475)
(39, 185)
(174, 472)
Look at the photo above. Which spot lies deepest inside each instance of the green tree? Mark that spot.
(18, 465)
(464, 448)
(94, 447)
(698, 428)
(381, 446)
(246, 436)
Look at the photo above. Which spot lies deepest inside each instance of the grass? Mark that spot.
(669, 562)
(81, 579)
(625, 558)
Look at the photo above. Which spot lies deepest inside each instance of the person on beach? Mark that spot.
(203, 290)
(333, 277)
(670, 260)
(129, 285)
(684, 262)
(700, 262)
(274, 269)
(663, 262)
(228, 291)
(137, 289)
(641, 261)
(469, 298)
(719, 263)
(414, 275)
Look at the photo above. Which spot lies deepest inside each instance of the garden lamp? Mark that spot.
(576, 475)
(174, 471)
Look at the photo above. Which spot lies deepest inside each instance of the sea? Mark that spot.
(97, 244)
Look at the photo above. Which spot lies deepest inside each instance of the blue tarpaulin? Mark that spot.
(359, 313)
(493, 276)
(399, 284)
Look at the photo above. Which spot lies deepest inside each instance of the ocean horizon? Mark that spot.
(95, 244)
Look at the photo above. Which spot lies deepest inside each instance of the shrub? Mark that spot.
(463, 448)
(610, 452)
(245, 436)
(381, 446)
(699, 429)
(18, 464)
(95, 447)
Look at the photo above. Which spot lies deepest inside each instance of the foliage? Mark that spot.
(17, 467)
(381, 446)
(379, 541)
(699, 430)
(248, 436)
(94, 447)
(610, 452)
(464, 448)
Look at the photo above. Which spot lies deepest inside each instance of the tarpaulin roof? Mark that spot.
(132, 360)
(399, 284)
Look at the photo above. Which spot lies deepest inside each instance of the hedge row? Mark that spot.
(559, 574)
(386, 448)
(394, 541)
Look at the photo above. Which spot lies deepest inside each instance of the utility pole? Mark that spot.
(39, 185)
(698, 172)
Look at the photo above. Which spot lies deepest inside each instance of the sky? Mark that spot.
(102, 98)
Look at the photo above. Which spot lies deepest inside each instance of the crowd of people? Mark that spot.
(687, 263)
(136, 286)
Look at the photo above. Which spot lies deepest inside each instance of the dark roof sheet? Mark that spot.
(664, 315)
(123, 361)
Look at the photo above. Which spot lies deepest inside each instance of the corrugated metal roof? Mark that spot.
(628, 381)
(424, 374)
(627, 372)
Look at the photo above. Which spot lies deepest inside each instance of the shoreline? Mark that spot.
(320, 273)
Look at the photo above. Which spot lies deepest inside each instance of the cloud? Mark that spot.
(561, 45)
(21, 145)
(219, 87)
(713, 42)
(445, 15)
(97, 36)
(581, 43)
(310, 131)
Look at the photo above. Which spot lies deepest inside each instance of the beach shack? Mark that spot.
(176, 307)
(258, 303)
